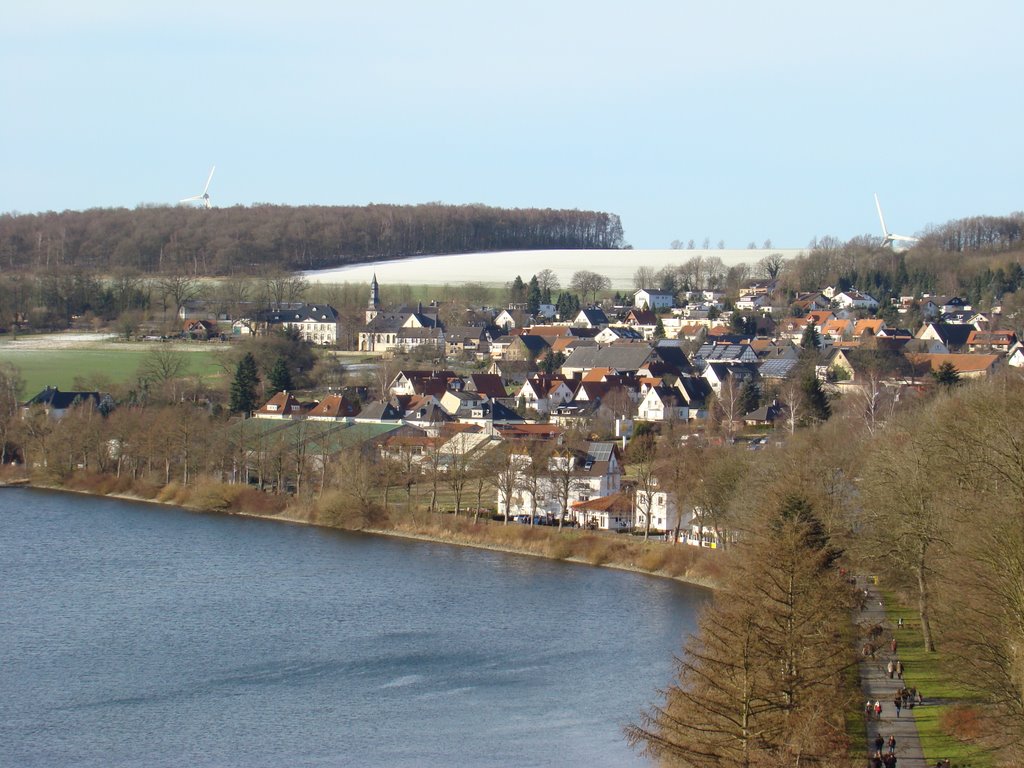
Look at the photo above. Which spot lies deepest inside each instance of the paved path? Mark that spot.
(877, 686)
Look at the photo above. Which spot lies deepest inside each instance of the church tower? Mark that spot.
(373, 307)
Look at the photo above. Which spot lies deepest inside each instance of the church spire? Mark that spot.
(374, 293)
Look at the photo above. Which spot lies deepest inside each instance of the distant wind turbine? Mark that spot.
(888, 238)
(204, 198)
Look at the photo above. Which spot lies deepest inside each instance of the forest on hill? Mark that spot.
(247, 240)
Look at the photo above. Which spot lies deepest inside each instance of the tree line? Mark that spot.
(248, 239)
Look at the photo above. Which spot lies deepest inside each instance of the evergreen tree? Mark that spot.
(761, 683)
(750, 396)
(816, 398)
(659, 330)
(810, 338)
(517, 291)
(533, 296)
(568, 306)
(947, 375)
(243, 387)
(279, 378)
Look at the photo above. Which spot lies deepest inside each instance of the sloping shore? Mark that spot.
(618, 551)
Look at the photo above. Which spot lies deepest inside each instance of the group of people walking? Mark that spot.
(885, 752)
(894, 667)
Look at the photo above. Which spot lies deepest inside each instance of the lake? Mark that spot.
(500, 268)
(140, 635)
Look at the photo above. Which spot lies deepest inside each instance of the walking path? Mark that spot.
(877, 686)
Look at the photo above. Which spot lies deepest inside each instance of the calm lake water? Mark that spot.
(140, 635)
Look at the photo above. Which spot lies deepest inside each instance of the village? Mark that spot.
(565, 399)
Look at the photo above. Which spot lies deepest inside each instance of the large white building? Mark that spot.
(653, 300)
(596, 472)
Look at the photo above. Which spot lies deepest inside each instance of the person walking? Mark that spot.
(878, 710)
(899, 668)
(890, 668)
(892, 743)
(893, 645)
(897, 702)
(879, 743)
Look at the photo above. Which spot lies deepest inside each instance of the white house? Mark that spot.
(613, 333)
(853, 299)
(661, 507)
(543, 393)
(752, 302)
(653, 300)
(663, 403)
(591, 317)
(316, 323)
(597, 472)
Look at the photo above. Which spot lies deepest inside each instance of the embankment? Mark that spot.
(335, 510)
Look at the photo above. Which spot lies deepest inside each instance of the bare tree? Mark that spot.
(644, 277)
(180, 289)
(162, 366)
(508, 476)
(770, 266)
(284, 288)
(565, 471)
(642, 455)
(547, 281)
(585, 283)
(11, 385)
(457, 470)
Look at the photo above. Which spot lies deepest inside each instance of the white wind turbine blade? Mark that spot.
(192, 199)
(878, 205)
(208, 180)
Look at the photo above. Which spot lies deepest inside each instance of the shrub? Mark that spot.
(338, 510)
(961, 722)
(253, 501)
(653, 559)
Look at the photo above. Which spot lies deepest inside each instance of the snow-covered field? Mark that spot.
(69, 340)
(502, 267)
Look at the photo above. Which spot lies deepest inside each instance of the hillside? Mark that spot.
(248, 240)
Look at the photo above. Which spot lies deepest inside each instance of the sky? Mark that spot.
(736, 121)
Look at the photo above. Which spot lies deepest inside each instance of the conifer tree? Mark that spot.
(279, 378)
(243, 387)
(533, 296)
(761, 683)
(816, 398)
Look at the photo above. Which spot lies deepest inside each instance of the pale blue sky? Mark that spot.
(731, 120)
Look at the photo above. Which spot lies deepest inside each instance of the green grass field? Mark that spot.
(94, 368)
(925, 671)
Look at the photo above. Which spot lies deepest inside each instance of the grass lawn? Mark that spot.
(924, 671)
(60, 367)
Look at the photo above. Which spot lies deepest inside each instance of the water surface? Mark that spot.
(140, 635)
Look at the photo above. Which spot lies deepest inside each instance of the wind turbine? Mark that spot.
(888, 238)
(204, 198)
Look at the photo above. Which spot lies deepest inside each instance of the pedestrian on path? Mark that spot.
(890, 668)
(878, 710)
(899, 668)
(897, 702)
(879, 743)
(892, 743)
(892, 645)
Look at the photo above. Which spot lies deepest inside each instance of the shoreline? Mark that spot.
(433, 538)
